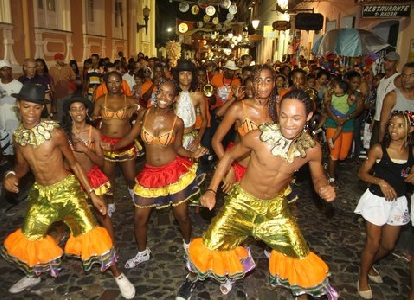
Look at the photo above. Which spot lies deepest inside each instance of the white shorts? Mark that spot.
(379, 212)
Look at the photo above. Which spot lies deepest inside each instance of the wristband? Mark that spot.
(211, 190)
(9, 173)
(91, 190)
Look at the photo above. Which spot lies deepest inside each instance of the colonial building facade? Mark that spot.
(76, 28)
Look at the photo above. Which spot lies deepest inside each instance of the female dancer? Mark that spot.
(384, 205)
(115, 109)
(168, 179)
(85, 142)
(246, 115)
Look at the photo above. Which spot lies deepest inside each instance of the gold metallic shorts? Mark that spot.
(244, 215)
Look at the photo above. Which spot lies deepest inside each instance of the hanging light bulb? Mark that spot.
(255, 23)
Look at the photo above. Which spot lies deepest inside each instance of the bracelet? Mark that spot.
(9, 173)
(212, 190)
(91, 190)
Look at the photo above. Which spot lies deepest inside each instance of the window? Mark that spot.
(46, 16)
(90, 10)
(5, 11)
(95, 17)
(118, 14)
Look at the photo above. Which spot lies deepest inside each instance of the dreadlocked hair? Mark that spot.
(301, 96)
(272, 103)
(409, 122)
(67, 123)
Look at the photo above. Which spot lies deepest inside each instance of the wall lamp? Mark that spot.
(146, 14)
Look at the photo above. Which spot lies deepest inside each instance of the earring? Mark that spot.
(305, 127)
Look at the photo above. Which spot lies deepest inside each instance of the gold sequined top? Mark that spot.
(36, 135)
(288, 149)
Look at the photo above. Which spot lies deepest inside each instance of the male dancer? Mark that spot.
(258, 207)
(56, 195)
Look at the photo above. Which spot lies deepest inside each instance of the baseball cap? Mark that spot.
(59, 56)
(5, 64)
(392, 56)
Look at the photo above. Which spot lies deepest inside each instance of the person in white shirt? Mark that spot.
(9, 119)
(386, 85)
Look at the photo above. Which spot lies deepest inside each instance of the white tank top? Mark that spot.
(185, 109)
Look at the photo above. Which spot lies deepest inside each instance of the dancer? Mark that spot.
(168, 178)
(257, 207)
(384, 205)
(85, 142)
(115, 109)
(246, 115)
(56, 195)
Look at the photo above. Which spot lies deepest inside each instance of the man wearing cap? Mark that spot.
(63, 83)
(8, 111)
(30, 75)
(386, 85)
(56, 195)
(188, 103)
(225, 85)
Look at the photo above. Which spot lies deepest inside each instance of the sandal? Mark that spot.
(226, 287)
(375, 278)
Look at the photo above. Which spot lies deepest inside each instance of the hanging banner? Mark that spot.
(386, 11)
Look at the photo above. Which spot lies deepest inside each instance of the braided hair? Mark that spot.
(409, 122)
(301, 96)
(272, 103)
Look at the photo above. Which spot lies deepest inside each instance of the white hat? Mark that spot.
(5, 64)
(231, 65)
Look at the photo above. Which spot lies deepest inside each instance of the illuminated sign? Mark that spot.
(386, 11)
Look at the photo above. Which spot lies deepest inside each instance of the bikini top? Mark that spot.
(163, 139)
(185, 109)
(122, 113)
(89, 143)
(247, 124)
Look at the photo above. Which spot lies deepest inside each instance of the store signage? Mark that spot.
(281, 25)
(386, 11)
(383, 1)
(307, 21)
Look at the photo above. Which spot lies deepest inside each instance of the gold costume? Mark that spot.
(288, 149)
(36, 135)
(35, 252)
(188, 138)
(219, 255)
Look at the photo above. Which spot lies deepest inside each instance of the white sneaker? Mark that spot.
(186, 246)
(131, 192)
(267, 253)
(126, 287)
(138, 259)
(111, 209)
(23, 284)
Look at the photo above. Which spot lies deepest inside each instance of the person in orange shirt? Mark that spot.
(102, 88)
(225, 85)
(225, 82)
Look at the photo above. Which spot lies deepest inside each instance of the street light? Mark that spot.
(146, 14)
